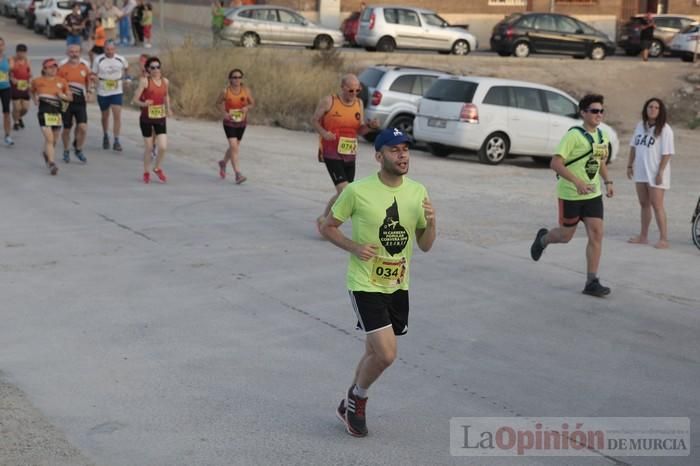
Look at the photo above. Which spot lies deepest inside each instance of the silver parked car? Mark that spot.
(254, 25)
(386, 28)
(391, 93)
(8, 8)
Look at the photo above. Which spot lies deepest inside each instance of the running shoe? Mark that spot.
(117, 146)
(146, 177)
(354, 418)
(222, 169)
(9, 141)
(80, 156)
(594, 288)
(15, 127)
(240, 178)
(537, 248)
(21, 123)
(161, 175)
(66, 156)
(105, 142)
(53, 168)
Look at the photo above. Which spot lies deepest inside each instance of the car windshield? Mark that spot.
(433, 19)
(65, 5)
(449, 90)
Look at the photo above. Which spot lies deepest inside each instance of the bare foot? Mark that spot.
(662, 244)
(638, 240)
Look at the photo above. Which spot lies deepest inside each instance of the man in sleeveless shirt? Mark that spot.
(339, 120)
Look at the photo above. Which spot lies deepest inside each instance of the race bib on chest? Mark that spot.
(156, 112)
(600, 151)
(3, 76)
(388, 272)
(22, 85)
(236, 115)
(110, 84)
(347, 146)
(53, 119)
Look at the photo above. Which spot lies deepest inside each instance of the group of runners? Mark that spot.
(63, 90)
(389, 212)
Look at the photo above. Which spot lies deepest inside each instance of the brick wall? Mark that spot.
(685, 7)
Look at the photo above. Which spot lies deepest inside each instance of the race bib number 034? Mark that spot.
(347, 146)
(156, 112)
(388, 272)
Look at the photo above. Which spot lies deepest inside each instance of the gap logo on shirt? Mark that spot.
(644, 140)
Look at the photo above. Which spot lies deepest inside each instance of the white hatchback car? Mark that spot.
(497, 118)
(50, 15)
(686, 43)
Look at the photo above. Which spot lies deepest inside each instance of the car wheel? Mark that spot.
(404, 123)
(386, 44)
(597, 52)
(323, 43)
(521, 49)
(36, 28)
(656, 49)
(495, 149)
(438, 150)
(250, 40)
(461, 47)
(687, 57)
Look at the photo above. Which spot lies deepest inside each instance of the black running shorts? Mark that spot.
(150, 129)
(377, 311)
(5, 99)
(77, 111)
(340, 171)
(233, 132)
(572, 212)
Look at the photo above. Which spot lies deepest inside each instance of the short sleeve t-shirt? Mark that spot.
(573, 145)
(388, 218)
(648, 152)
(110, 72)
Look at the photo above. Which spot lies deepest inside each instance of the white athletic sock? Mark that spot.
(361, 392)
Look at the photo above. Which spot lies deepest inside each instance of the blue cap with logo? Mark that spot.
(390, 137)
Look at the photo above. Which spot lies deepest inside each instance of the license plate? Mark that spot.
(437, 123)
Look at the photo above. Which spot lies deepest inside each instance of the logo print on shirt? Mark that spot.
(592, 167)
(392, 234)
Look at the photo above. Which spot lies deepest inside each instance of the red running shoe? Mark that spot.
(146, 177)
(161, 175)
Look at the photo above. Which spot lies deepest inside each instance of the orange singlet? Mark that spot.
(233, 103)
(155, 112)
(344, 121)
(78, 77)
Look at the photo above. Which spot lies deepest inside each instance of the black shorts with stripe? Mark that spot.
(377, 311)
(572, 212)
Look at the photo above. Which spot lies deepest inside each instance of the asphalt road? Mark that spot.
(203, 323)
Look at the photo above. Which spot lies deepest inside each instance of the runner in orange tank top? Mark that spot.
(154, 99)
(20, 77)
(234, 102)
(339, 120)
(76, 71)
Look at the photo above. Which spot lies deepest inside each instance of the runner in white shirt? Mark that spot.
(651, 148)
(109, 72)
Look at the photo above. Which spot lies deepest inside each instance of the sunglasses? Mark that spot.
(154, 67)
(596, 111)
(235, 77)
(354, 91)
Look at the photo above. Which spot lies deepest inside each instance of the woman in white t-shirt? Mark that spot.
(649, 165)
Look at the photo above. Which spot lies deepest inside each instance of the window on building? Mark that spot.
(507, 2)
(578, 2)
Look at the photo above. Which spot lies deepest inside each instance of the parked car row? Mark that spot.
(43, 16)
(497, 118)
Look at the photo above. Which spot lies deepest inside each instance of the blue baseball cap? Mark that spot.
(390, 137)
